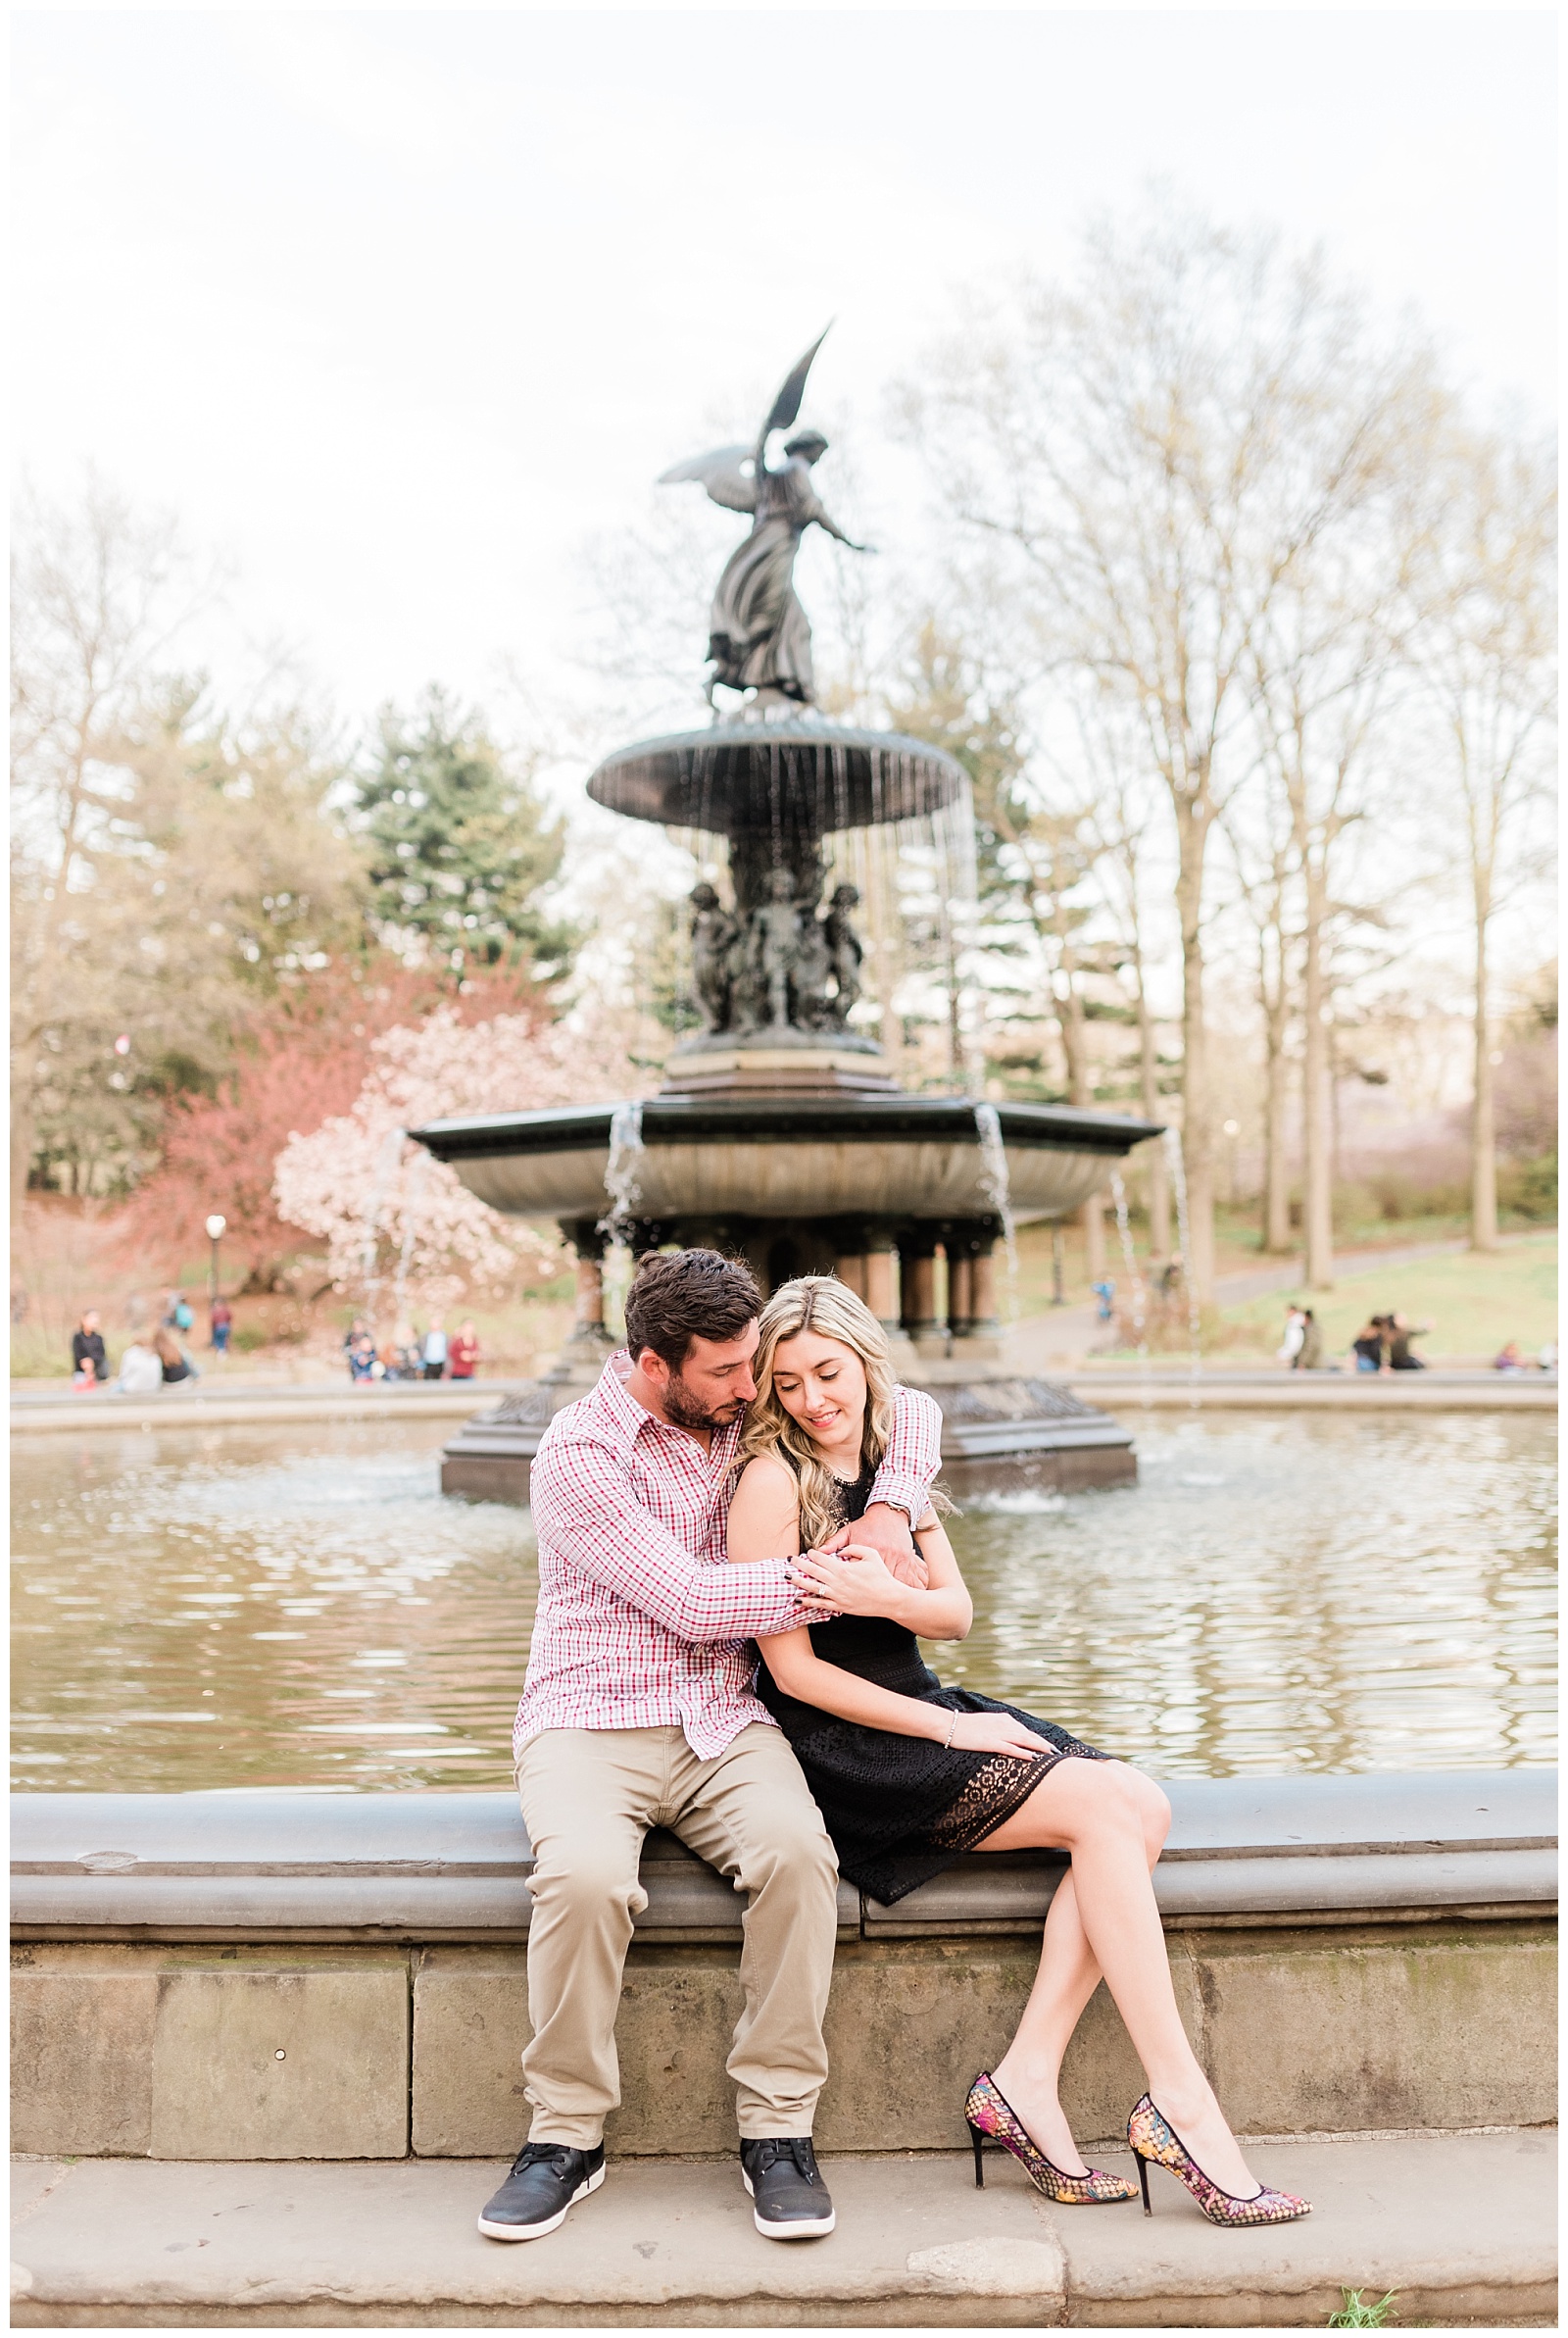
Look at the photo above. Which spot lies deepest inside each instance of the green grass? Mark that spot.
(1356, 2314)
(1474, 1302)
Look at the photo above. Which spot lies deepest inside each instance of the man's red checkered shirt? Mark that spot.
(642, 1623)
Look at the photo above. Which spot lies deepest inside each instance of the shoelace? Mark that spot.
(536, 2154)
(796, 2147)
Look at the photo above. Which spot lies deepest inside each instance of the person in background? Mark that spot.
(222, 1320)
(1308, 1357)
(1290, 1347)
(177, 1316)
(142, 1373)
(1105, 1293)
(361, 1354)
(463, 1350)
(176, 1363)
(1547, 1361)
(435, 1350)
(1400, 1334)
(89, 1360)
(1508, 1359)
(1367, 1347)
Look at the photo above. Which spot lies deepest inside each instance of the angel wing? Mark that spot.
(726, 474)
(787, 405)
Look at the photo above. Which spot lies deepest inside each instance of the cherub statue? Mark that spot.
(844, 947)
(758, 637)
(715, 933)
(776, 940)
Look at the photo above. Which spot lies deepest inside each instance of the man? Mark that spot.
(638, 1711)
(89, 1360)
(434, 1352)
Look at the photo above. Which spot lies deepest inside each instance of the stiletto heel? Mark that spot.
(1152, 2137)
(977, 2136)
(989, 2114)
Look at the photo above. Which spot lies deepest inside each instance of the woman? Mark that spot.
(173, 1360)
(910, 1775)
(1368, 1346)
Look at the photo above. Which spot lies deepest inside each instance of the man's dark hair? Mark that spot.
(681, 1295)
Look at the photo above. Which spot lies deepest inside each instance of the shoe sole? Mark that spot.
(797, 2229)
(534, 2233)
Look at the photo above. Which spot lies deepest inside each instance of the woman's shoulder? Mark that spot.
(769, 1473)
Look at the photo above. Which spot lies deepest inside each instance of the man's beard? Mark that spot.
(686, 1411)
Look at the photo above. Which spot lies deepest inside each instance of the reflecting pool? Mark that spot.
(298, 1606)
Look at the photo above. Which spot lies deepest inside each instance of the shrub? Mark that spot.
(1530, 1187)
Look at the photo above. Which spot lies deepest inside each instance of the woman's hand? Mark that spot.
(997, 1733)
(855, 1582)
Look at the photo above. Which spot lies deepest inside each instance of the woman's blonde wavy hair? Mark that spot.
(819, 1303)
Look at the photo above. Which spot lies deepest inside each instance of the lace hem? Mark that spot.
(995, 1793)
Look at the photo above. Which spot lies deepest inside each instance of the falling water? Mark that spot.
(996, 1186)
(1135, 1282)
(410, 1227)
(622, 1176)
(1178, 1178)
(386, 1162)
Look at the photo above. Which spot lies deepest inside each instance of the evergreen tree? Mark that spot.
(461, 845)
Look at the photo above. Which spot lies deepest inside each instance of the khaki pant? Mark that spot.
(589, 1797)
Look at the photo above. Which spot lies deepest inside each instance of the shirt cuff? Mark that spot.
(898, 1491)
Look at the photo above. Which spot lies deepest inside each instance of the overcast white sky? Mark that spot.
(395, 308)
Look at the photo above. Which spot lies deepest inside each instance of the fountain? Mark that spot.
(781, 1134)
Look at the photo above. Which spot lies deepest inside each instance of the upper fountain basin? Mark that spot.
(789, 1157)
(798, 772)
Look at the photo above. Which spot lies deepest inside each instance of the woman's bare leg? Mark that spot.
(1029, 2073)
(1095, 1809)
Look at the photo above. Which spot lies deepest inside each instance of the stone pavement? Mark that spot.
(1461, 2226)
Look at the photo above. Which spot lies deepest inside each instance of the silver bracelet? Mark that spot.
(952, 1724)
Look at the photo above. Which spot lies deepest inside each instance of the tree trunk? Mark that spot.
(1071, 1018)
(1276, 1098)
(1154, 1153)
(23, 1122)
(1197, 1134)
(1317, 1203)
(1483, 1110)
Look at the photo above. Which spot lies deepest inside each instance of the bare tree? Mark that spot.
(1482, 640)
(1261, 850)
(1157, 445)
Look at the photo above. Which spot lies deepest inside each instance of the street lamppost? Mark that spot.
(216, 1227)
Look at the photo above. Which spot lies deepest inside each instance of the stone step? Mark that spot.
(1462, 2227)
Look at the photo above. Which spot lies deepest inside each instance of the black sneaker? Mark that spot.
(546, 2179)
(789, 2199)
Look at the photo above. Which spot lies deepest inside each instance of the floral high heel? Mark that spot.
(990, 2113)
(1152, 2137)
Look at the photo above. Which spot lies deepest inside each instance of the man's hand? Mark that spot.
(886, 1531)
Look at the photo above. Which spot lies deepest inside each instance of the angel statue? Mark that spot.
(758, 637)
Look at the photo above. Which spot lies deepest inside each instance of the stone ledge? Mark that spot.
(1460, 2226)
(427, 1867)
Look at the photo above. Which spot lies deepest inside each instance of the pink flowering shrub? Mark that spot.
(390, 1216)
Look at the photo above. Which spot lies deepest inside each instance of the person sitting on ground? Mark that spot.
(87, 1351)
(910, 1775)
(1547, 1361)
(1400, 1334)
(363, 1361)
(433, 1353)
(1290, 1347)
(462, 1352)
(638, 1711)
(1308, 1357)
(1508, 1359)
(1368, 1346)
(174, 1361)
(141, 1370)
(222, 1322)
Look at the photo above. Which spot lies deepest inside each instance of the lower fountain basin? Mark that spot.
(790, 1157)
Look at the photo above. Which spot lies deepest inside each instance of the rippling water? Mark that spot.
(266, 1606)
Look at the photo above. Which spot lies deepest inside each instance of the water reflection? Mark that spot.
(300, 1606)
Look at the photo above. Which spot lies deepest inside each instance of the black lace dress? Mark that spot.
(902, 1809)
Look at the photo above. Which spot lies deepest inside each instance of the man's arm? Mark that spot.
(585, 1510)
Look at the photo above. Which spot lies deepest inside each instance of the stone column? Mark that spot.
(881, 1282)
(960, 1287)
(984, 1321)
(589, 1244)
(918, 1277)
(850, 1271)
